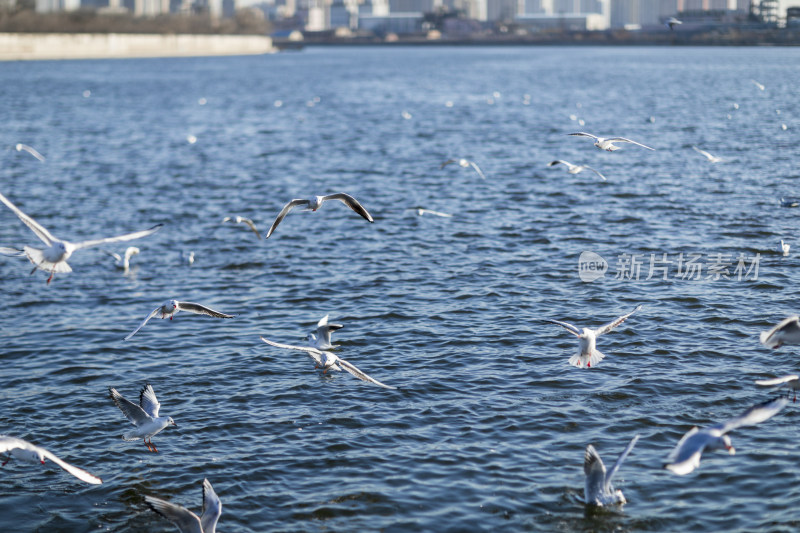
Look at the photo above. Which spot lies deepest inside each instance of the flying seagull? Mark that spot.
(20, 147)
(144, 416)
(422, 211)
(312, 204)
(465, 163)
(24, 450)
(54, 258)
(685, 457)
(711, 158)
(185, 520)
(759, 85)
(169, 308)
(607, 144)
(588, 356)
(240, 220)
(124, 262)
(786, 332)
(329, 361)
(672, 22)
(574, 169)
(598, 489)
(791, 381)
(785, 246)
(322, 339)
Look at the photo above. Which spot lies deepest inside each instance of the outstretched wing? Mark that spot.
(754, 415)
(595, 472)
(212, 508)
(788, 327)
(584, 134)
(79, 473)
(285, 211)
(201, 310)
(611, 325)
(37, 228)
(118, 238)
(559, 162)
(315, 354)
(777, 381)
(569, 327)
(148, 401)
(132, 412)
(685, 457)
(446, 163)
(624, 140)
(619, 461)
(251, 225)
(595, 171)
(33, 151)
(153, 313)
(185, 520)
(360, 375)
(474, 165)
(350, 202)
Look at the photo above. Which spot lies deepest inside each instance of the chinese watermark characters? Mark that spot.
(663, 266)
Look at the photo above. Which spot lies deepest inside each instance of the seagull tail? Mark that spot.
(130, 435)
(36, 256)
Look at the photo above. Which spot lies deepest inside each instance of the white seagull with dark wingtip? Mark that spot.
(54, 258)
(598, 489)
(322, 339)
(685, 457)
(574, 169)
(20, 147)
(144, 416)
(672, 22)
(24, 450)
(786, 332)
(124, 261)
(169, 308)
(588, 355)
(185, 520)
(465, 163)
(710, 157)
(790, 381)
(314, 203)
(242, 220)
(607, 144)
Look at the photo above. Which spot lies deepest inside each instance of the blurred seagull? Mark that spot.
(169, 308)
(685, 457)
(54, 258)
(422, 211)
(791, 381)
(20, 147)
(672, 22)
(790, 202)
(329, 361)
(785, 246)
(240, 220)
(465, 163)
(144, 416)
(314, 203)
(322, 339)
(123, 262)
(607, 144)
(786, 332)
(588, 355)
(759, 85)
(24, 450)
(711, 158)
(11, 252)
(574, 169)
(185, 520)
(598, 489)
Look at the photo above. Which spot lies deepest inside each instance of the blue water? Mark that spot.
(489, 425)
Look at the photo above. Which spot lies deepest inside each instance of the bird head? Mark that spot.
(171, 422)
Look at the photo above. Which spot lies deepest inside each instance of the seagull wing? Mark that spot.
(37, 228)
(153, 313)
(559, 162)
(754, 415)
(201, 310)
(115, 255)
(685, 457)
(252, 226)
(624, 140)
(447, 163)
(787, 327)
(118, 238)
(35, 153)
(79, 473)
(612, 472)
(360, 375)
(148, 401)
(185, 520)
(703, 153)
(285, 211)
(777, 381)
(474, 165)
(595, 472)
(595, 171)
(212, 508)
(569, 327)
(584, 134)
(315, 354)
(9, 443)
(350, 202)
(611, 325)
(132, 412)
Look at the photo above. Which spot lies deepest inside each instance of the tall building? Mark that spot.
(50, 6)
(502, 9)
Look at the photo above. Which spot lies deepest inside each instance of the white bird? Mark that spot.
(465, 163)
(187, 257)
(672, 22)
(422, 211)
(685, 457)
(711, 158)
(790, 202)
(759, 85)
(54, 258)
(607, 144)
(124, 262)
(170, 307)
(144, 416)
(786, 332)
(314, 203)
(588, 355)
(598, 489)
(185, 520)
(574, 169)
(329, 361)
(20, 147)
(240, 220)
(791, 381)
(785, 247)
(322, 339)
(24, 450)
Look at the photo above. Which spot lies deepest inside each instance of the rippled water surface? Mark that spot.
(488, 428)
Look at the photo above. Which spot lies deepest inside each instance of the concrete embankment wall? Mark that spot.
(21, 46)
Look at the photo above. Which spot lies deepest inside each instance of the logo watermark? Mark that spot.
(682, 267)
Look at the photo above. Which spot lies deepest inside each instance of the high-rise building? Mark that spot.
(502, 9)
(49, 6)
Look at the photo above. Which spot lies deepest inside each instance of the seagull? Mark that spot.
(247, 221)
(465, 163)
(54, 257)
(187, 257)
(124, 262)
(20, 147)
(144, 416)
(24, 450)
(790, 202)
(588, 355)
(170, 307)
(791, 381)
(672, 22)
(185, 520)
(711, 158)
(422, 211)
(322, 339)
(312, 204)
(685, 457)
(574, 169)
(759, 85)
(329, 361)
(786, 332)
(598, 489)
(785, 247)
(607, 144)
